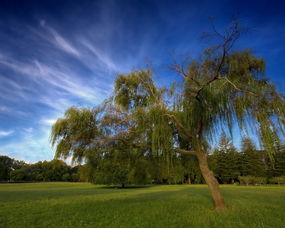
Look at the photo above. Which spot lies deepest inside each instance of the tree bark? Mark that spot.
(211, 181)
(189, 180)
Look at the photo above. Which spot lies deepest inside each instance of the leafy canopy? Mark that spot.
(219, 89)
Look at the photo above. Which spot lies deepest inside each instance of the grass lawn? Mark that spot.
(86, 205)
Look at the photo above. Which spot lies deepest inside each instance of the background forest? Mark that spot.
(248, 166)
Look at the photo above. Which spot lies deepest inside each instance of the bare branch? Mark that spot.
(232, 34)
(180, 69)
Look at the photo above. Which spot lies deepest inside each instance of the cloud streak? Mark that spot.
(55, 75)
(6, 133)
(55, 59)
(48, 122)
(102, 57)
(32, 146)
(62, 43)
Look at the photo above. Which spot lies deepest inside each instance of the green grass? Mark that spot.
(86, 205)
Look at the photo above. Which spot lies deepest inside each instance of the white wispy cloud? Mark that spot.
(11, 111)
(32, 146)
(103, 57)
(11, 90)
(58, 40)
(18, 66)
(48, 122)
(48, 77)
(8, 82)
(63, 44)
(28, 130)
(6, 133)
(67, 81)
(41, 74)
(3, 108)
(59, 104)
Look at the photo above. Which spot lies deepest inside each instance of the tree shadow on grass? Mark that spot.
(126, 187)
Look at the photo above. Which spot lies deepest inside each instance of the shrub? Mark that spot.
(139, 174)
(251, 180)
(39, 177)
(75, 177)
(66, 177)
(277, 180)
(17, 175)
(260, 180)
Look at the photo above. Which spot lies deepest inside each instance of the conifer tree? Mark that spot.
(279, 162)
(225, 161)
(251, 160)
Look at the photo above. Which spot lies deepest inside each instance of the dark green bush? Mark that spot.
(251, 180)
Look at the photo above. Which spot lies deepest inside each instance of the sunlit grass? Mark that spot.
(86, 205)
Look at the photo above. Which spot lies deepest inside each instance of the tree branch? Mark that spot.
(246, 91)
(187, 133)
(228, 41)
(186, 152)
(180, 70)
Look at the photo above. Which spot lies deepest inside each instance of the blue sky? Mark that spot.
(55, 54)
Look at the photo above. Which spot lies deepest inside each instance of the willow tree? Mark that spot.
(98, 138)
(221, 88)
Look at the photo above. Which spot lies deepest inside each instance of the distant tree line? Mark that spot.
(18, 171)
(122, 167)
(248, 166)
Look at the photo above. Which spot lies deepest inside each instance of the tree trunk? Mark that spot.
(189, 180)
(211, 182)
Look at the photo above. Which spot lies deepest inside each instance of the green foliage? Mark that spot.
(112, 173)
(249, 166)
(176, 173)
(7, 165)
(251, 180)
(135, 90)
(221, 90)
(75, 177)
(55, 170)
(66, 177)
(252, 160)
(225, 161)
(277, 180)
(74, 133)
(140, 173)
(192, 173)
(278, 166)
(144, 122)
(18, 175)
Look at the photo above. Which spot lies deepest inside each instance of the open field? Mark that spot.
(86, 205)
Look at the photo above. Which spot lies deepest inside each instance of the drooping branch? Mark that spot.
(236, 88)
(180, 125)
